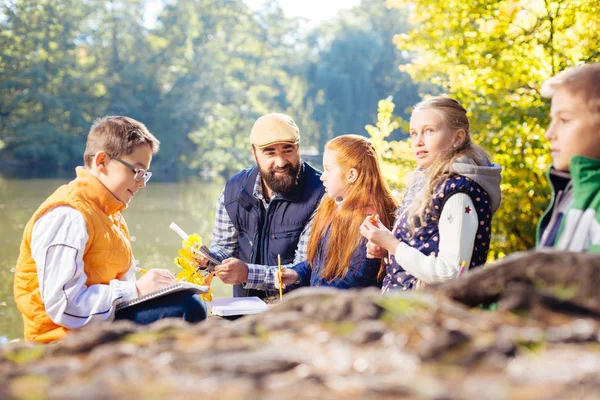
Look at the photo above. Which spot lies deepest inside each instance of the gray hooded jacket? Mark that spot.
(485, 173)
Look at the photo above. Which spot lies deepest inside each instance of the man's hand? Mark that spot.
(154, 280)
(232, 271)
(201, 260)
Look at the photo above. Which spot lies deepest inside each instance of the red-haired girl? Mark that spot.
(355, 188)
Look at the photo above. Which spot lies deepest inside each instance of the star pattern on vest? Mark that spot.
(468, 210)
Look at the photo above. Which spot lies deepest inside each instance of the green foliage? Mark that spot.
(44, 97)
(198, 77)
(396, 156)
(356, 66)
(251, 61)
(492, 56)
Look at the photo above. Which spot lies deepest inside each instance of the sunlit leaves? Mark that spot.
(493, 56)
(396, 156)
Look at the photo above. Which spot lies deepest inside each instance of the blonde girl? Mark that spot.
(445, 216)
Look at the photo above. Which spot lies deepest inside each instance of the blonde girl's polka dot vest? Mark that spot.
(426, 238)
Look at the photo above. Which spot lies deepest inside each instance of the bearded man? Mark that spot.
(266, 210)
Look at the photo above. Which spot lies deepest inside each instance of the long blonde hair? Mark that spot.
(454, 116)
(368, 194)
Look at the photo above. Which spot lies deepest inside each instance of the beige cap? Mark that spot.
(274, 128)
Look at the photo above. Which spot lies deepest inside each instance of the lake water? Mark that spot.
(190, 204)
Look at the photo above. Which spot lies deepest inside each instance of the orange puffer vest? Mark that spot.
(107, 253)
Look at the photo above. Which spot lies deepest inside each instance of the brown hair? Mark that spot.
(583, 80)
(117, 136)
(454, 116)
(368, 194)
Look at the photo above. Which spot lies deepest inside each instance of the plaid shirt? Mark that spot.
(225, 243)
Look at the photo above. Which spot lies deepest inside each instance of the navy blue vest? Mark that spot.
(363, 271)
(263, 235)
(426, 238)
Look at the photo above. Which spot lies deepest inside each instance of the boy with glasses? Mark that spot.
(76, 264)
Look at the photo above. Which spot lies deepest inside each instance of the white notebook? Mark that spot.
(176, 287)
(237, 306)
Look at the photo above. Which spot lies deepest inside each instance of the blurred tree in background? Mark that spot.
(46, 98)
(356, 66)
(198, 77)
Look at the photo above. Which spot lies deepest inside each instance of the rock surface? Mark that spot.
(541, 343)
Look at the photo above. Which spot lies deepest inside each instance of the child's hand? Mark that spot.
(288, 276)
(374, 220)
(153, 280)
(374, 251)
(420, 285)
(374, 231)
(204, 259)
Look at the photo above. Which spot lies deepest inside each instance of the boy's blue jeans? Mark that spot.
(185, 305)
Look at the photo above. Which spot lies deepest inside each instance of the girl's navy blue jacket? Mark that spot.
(362, 272)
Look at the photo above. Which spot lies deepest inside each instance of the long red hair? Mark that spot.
(368, 194)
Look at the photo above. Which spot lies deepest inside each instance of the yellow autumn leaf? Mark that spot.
(207, 296)
(193, 240)
(185, 264)
(185, 275)
(185, 253)
(189, 266)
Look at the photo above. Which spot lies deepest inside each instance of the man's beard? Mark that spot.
(282, 184)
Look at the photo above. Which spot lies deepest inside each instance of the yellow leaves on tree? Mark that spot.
(493, 57)
(396, 156)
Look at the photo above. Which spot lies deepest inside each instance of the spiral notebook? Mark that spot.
(177, 287)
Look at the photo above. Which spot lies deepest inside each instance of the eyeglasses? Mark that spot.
(138, 173)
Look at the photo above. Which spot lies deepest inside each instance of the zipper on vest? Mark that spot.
(254, 240)
(267, 223)
(252, 246)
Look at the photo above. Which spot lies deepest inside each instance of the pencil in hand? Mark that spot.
(280, 277)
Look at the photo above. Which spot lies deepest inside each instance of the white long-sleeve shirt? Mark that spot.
(58, 242)
(457, 230)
